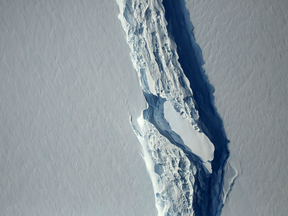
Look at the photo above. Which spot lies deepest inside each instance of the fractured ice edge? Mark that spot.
(182, 154)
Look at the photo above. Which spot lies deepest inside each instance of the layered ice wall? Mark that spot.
(177, 152)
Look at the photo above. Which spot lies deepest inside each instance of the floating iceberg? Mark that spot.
(176, 151)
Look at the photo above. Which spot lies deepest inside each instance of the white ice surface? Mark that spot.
(155, 59)
(67, 87)
(196, 141)
(245, 49)
(171, 172)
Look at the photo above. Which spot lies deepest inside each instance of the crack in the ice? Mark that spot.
(191, 187)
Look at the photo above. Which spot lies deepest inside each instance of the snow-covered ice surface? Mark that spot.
(245, 49)
(67, 89)
(184, 145)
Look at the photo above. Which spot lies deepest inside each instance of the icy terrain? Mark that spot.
(67, 88)
(245, 49)
(176, 140)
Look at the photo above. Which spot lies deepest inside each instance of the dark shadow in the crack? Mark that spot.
(191, 61)
(202, 177)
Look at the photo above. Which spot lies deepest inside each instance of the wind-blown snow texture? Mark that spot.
(66, 147)
(186, 177)
(245, 48)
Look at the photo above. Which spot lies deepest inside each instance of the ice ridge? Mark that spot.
(191, 60)
(178, 154)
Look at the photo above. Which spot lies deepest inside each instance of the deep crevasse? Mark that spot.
(177, 154)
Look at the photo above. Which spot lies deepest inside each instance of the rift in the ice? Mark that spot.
(187, 175)
(209, 121)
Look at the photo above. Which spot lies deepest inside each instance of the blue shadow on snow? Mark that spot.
(191, 60)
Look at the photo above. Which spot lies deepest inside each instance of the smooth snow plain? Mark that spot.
(245, 49)
(66, 144)
(67, 90)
